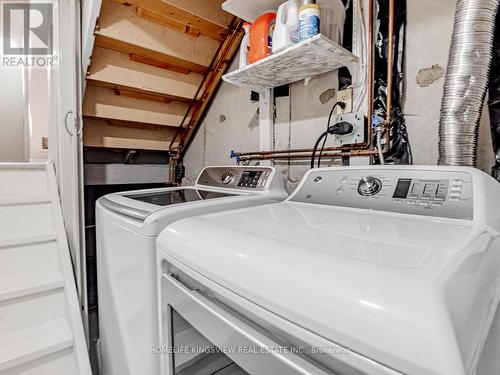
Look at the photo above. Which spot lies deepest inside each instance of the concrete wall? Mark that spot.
(232, 121)
(430, 25)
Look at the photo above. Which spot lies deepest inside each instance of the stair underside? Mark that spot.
(155, 65)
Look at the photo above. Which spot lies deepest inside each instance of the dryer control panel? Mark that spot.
(241, 178)
(436, 193)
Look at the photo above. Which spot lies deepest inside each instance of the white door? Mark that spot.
(68, 133)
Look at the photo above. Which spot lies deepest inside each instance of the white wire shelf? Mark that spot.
(311, 57)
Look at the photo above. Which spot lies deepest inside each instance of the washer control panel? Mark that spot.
(241, 178)
(411, 191)
(250, 179)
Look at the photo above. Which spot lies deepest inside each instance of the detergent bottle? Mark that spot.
(245, 45)
(287, 24)
(261, 37)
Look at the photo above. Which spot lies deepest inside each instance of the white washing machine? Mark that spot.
(386, 270)
(127, 226)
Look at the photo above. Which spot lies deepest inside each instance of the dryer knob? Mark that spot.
(369, 186)
(227, 178)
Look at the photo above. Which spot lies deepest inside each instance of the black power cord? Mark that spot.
(324, 136)
(313, 157)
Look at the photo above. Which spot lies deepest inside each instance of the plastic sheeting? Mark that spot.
(494, 99)
(400, 150)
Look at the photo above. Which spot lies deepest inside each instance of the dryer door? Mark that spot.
(203, 337)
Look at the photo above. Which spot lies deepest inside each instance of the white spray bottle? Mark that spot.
(244, 45)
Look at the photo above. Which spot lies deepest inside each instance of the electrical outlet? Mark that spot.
(344, 96)
(357, 135)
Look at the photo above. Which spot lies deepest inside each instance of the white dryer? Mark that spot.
(386, 270)
(127, 226)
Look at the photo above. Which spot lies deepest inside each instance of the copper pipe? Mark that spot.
(371, 25)
(390, 63)
(307, 154)
(296, 151)
(371, 74)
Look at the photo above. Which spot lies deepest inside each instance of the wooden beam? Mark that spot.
(210, 10)
(163, 65)
(139, 54)
(107, 134)
(126, 32)
(104, 103)
(168, 22)
(115, 70)
(206, 16)
(131, 92)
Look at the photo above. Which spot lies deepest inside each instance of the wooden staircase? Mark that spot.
(154, 68)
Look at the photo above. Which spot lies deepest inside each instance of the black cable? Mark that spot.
(342, 105)
(313, 157)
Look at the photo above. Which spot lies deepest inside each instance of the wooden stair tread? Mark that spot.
(111, 68)
(125, 29)
(104, 103)
(210, 10)
(207, 16)
(103, 134)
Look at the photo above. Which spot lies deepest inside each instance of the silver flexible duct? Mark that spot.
(466, 81)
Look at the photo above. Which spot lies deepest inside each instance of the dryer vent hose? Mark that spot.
(466, 81)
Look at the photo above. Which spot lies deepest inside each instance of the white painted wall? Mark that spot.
(12, 124)
(90, 13)
(39, 97)
(25, 112)
(302, 117)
